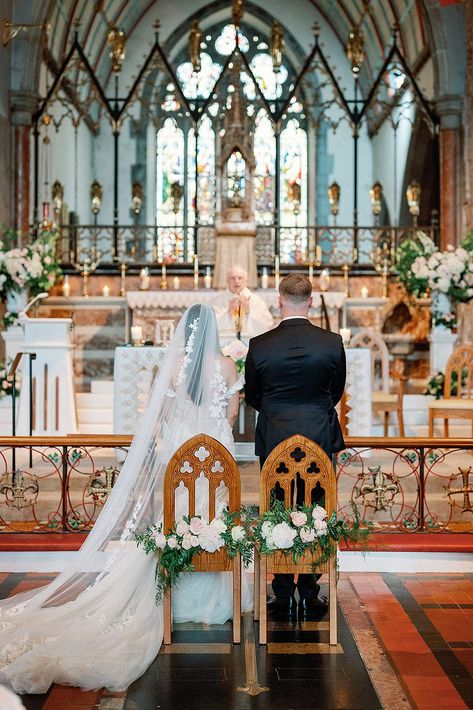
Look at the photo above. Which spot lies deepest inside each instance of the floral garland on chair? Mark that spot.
(190, 536)
(307, 528)
(295, 532)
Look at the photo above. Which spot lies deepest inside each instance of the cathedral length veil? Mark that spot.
(97, 625)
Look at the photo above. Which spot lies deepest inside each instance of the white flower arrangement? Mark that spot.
(306, 528)
(191, 535)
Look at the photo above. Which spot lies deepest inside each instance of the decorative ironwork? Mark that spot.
(466, 490)
(195, 38)
(101, 484)
(18, 491)
(277, 45)
(377, 489)
(117, 40)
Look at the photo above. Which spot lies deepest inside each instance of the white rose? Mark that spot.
(238, 533)
(196, 525)
(210, 540)
(160, 540)
(182, 528)
(187, 541)
(307, 534)
(319, 513)
(218, 525)
(172, 542)
(283, 536)
(320, 527)
(298, 518)
(194, 540)
(266, 529)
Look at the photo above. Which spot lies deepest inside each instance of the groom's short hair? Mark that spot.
(295, 288)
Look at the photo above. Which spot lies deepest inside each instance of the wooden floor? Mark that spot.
(405, 641)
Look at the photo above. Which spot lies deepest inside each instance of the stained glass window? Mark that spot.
(293, 187)
(198, 85)
(265, 169)
(225, 42)
(170, 172)
(236, 169)
(205, 172)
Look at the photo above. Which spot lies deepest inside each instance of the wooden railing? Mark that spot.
(401, 485)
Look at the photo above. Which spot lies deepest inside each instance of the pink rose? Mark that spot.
(182, 528)
(319, 513)
(187, 541)
(320, 527)
(298, 518)
(196, 525)
(172, 542)
(307, 534)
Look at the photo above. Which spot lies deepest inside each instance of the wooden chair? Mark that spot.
(296, 458)
(460, 405)
(382, 400)
(198, 458)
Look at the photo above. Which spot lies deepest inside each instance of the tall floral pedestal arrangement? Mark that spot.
(442, 340)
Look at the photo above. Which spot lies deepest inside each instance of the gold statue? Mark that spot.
(195, 38)
(238, 10)
(117, 40)
(277, 45)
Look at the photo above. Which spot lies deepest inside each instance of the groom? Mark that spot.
(295, 375)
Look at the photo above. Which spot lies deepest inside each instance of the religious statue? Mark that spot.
(238, 10)
(195, 38)
(277, 45)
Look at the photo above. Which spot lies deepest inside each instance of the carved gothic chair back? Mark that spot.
(202, 462)
(458, 391)
(383, 402)
(459, 373)
(365, 338)
(297, 471)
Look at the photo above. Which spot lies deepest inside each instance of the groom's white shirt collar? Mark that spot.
(292, 318)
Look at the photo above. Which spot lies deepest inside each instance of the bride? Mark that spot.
(97, 625)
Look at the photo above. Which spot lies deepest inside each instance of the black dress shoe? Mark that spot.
(313, 608)
(282, 608)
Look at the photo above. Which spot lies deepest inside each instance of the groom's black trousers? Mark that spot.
(283, 584)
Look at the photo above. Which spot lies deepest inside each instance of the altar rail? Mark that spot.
(109, 246)
(401, 485)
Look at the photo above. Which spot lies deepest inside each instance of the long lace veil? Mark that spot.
(96, 608)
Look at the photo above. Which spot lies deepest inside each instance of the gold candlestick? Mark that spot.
(86, 268)
(346, 283)
(122, 280)
(164, 281)
(384, 282)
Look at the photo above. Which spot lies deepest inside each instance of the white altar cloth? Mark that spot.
(133, 373)
(184, 299)
(358, 391)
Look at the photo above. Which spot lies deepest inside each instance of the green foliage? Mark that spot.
(436, 385)
(406, 253)
(6, 387)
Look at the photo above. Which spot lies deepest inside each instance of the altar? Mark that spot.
(145, 307)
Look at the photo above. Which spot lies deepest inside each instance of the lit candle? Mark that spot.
(196, 271)
(66, 287)
(364, 292)
(311, 272)
(163, 271)
(106, 291)
(276, 271)
(345, 334)
(208, 278)
(136, 333)
(318, 254)
(324, 280)
(144, 279)
(264, 278)
(176, 283)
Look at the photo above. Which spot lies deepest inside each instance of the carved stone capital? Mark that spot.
(23, 104)
(449, 108)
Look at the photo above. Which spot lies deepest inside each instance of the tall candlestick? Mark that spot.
(208, 278)
(196, 271)
(106, 291)
(176, 283)
(318, 254)
(311, 272)
(264, 278)
(164, 281)
(122, 280)
(276, 271)
(144, 279)
(345, 280)
(66, 287)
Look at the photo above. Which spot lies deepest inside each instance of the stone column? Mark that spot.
(449, 108)
(23, 105)
(468, 161)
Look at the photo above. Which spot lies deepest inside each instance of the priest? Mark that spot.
(240, 313)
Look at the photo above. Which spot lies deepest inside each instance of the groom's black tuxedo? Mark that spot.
(295, 375)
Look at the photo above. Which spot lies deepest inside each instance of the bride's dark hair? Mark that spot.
(200, 320)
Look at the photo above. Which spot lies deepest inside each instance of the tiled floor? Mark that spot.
(405, 641)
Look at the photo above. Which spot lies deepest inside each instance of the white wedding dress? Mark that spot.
(97, 625)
